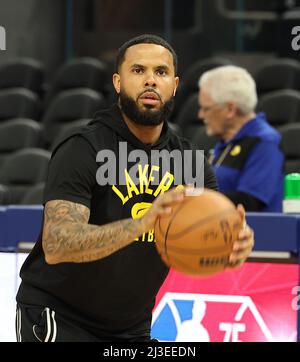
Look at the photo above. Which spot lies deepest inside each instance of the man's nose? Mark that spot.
(150, 80)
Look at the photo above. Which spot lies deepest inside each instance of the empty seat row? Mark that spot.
(68, 106)
(83, 72)
(21, 133)
(32, 196)
(274, 75)
(21, 102)
(281, 107)
(23, 174)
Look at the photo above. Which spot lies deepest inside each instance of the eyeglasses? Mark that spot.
(209, 108)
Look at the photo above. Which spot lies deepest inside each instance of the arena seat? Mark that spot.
(199, 137)
(67, 107)
(278, 74)
(4, 195)
(290, 145)
(22, 73)
(188, 114)
(68, 129)
(281, 107)
(18, 103)
(82, 72)
(34, 195)
(22, 169)
(16, 134)
(189, 83)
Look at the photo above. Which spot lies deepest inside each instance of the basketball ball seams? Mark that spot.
(207, 220)
(166, 237)
(175, 213)
(197, 237)
(184, 250)
(203, 269)
(169, 226)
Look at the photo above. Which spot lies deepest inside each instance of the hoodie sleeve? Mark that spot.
(72, 172)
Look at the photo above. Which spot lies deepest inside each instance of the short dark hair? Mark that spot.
(144, 39)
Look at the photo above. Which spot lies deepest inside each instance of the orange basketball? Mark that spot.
(198, 236)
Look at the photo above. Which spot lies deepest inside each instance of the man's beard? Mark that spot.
(147, 117)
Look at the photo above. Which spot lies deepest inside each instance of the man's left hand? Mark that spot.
(244, 245)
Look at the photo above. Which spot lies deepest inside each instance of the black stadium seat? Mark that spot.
(188, 113)
(79, 73)
(68, 129)
(290, 145)
(34, 195)
(281, 107)
(22, 73)
(16, 134)
(4, 195)
(202, 140)
(68, 106)
(278, 74)
(189, 83)
(18, 103)
(22, 169)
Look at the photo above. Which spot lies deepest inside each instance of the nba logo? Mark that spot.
(187, 317)
(2, 38)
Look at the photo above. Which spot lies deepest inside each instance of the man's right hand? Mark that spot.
(162, 206)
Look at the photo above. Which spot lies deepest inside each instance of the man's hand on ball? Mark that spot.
(244, 245)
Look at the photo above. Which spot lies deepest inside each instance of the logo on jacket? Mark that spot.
(148, 179)
(149, 183)
(139, 209)
(236, 150)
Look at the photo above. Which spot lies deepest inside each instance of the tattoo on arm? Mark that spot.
(67, 236)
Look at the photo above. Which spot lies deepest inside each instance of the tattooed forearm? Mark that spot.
(67, 237)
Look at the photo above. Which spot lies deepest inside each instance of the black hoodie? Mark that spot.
(112, 297)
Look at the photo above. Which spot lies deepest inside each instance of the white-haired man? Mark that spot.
(248, 161)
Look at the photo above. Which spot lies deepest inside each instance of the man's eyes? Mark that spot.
(160, 72)
(137, 70)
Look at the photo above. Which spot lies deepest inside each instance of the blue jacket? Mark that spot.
(252, 162)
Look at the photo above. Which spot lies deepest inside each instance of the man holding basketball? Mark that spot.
(94, 271)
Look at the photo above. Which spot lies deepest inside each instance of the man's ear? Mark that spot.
(116, 82)
(176, 85)
(232, 109)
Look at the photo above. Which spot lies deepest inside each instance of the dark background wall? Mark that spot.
(37, 28)
(101, 26)
(198, 28)
(34, 28)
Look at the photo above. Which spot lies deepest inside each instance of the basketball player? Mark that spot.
(94, 271)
